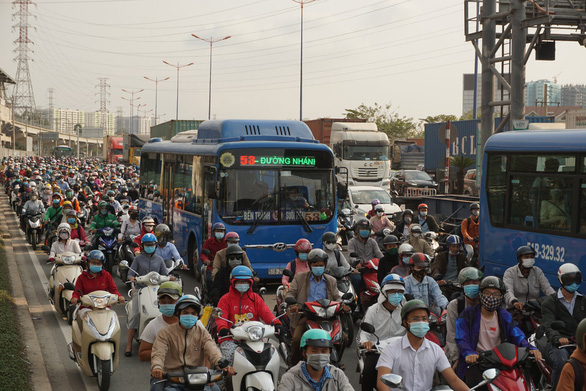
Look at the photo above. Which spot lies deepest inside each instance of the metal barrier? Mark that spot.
(419, 192)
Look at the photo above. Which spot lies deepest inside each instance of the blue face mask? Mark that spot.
(95, 269)
(55, 201)
(149, 249)
(406, 260)
(419, 329)
(471, 291)
(572, 288)
(188, 321)
(219, 235)
(242, 287)
(71, 220)
(318, 270)
(303, 256)
(395, 298)
(364, 233)
(167, 309)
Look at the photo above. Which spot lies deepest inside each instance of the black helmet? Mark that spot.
(413, 305)
(362, 223)
(316, 255)
(234, 249)
(416, 228)
(492, 282)
(162, 232)
(474, 205)
(329, 237)
(390, 239)
(187, 301)
(407, 212)
(524, 250)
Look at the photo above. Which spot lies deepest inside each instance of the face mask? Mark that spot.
(471, 291)
(317, 270)
(330, 246)
(167, 309)
(111, 199)
(395, 298)
(64, 236)
(555, 193)
(318, 360)
(234, 262)
(188, 321)
(242, 287)
(419, 274)
(55, 202)
(392, 251)
(422, 214)
(104, 212)
(149, 249)
(303, 256)
(66, 210)
(475, 213)
(572, 288)
(528, 263)
(364, 233)
(406, 260)
(33, 198)
(416, 234)
(408, 220)
(95, 269)
(133, 216)
(71, 220)
(219, 235)
(419, 329)
(491, 303)
(379, 214)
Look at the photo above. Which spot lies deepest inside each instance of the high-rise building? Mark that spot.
(574, 95)
(468, 93)
(140, 125)
(535, 93)
(101, 120)
(65, 119)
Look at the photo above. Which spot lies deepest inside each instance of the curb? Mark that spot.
(39, 379)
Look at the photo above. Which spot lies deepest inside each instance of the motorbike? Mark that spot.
(108, 244)
(345, 221)
(379, 236)
(341, 274)
(51, 237)
(33, 224)
(14, 199)
(431, 239)
(96, 338)
(377, 348)
(437, 325)
(195, 378)
(393, 380)
(66, 269)
(124, 257)
(85, 214)
(370, 286)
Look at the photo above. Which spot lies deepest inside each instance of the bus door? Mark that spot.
(167, 193)
(209, 194)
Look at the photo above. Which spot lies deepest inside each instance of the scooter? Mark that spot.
(96, 338)
(33, 228)
(195, 378)
(393, 380)
(345, 232)
(370, 286)
(108, 244)
(66, 269)
(511, 359)
(340, 273)
(377, 348)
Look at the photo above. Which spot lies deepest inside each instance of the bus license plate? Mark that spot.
(275, 272)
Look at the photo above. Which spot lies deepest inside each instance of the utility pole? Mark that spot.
(131, 100)
(302, 3)
(177, 67)
(157, 81)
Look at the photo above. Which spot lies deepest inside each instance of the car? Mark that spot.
(470, 186)
(413, 183)
(360, 201)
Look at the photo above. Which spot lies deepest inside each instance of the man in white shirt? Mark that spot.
(415, 358)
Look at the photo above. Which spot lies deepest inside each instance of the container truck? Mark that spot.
(167, 130)
(359, 147)
(131, 148)
(112, 149)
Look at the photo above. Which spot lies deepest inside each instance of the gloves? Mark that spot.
(224, 333)
(280, 330)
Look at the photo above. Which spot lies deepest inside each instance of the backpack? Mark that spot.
(461, 304)
(458, 229)
(578, 373)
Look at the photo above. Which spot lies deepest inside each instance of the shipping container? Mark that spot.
(322, 127)
(168, 129)
(131, 148)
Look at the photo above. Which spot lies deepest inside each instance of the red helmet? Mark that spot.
(422, 206)
(232, 237)
(132, 209)
(303, 246)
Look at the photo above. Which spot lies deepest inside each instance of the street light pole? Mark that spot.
(156, 92)
(211, 41)
(302, 3)
(132, 99)
(178, 67)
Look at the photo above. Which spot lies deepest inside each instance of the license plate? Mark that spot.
(275, 272)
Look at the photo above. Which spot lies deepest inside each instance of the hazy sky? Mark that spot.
(411, 53)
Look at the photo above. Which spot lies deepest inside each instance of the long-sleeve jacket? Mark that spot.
(53, 214)
(78, 232)
(428, 223)
(566, 382)
(33, 207)
(88, 283)
(467, 333)
(58, 247)
(523, 289)
(145, 263)
(213, 245)
(100, 221)
(176, 347)
(552, 309)
(295, 380)
(220, 261)
(386, 323)
(366, 250)
(419, 244)
(469, 229)
(427, 291)
(385, 265)
(440, 263)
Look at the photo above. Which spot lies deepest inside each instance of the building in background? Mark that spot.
(543, 93)
(133, 125)
(101, 120)
(65, 119)
(574, 95)
(468, 94)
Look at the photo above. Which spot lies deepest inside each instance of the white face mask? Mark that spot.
(528, 262)
(330, 246)
(416, 234)
(475, 213)
(379, 214)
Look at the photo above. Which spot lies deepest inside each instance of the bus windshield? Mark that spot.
(366, 152)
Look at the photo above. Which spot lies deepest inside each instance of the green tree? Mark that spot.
(387, 119)
(432, 119)
(462, 163)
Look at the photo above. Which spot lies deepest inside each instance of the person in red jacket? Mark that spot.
(77, 231)
(148, 226)
(214, 244)
(241, 305)
(94, 279)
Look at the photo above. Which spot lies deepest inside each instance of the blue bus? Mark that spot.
(61, 151)
(269, 181)
(534, 193)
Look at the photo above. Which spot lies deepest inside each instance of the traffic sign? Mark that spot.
(520, 124)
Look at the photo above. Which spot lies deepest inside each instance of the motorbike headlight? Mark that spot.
(70, 260)
(197, 378)
(108, 231)
(154, 279)
(255, 333)
(320, 311)
(100, 302)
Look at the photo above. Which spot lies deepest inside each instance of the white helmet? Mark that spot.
(64, 227)
(569, 273)
(405, 248)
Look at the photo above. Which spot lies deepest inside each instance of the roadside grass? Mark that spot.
(14, 370)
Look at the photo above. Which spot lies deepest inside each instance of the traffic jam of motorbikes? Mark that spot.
(396, 298)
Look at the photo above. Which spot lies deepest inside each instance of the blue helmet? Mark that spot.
(454, 239)
(241, 272)
(218, 226)
(187, 301)
(149, 238)
(393, 279)
(97, 255)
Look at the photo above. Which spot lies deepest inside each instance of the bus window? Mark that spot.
(496, 187)
(583, 205)
(183, 186)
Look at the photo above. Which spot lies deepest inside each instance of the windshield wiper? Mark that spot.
(267, 204)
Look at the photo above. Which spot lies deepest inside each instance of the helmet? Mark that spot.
(171, 289)
(96, 255)
(148, 220)
(407, 212)
(492, 282)
(218, 227)
(379, 208)
(406, 248)
(233, 249)
(420, 260)
(187, 301)
(328, 237)
(362, 223)
(67, 204)
(454, 239)
(422, 206)
(468, 274)
(232, 237)
(474, 205)
(580, 331)
(64, 227)
(413, 305)
(524, 250)
(316, 337)
(102, 204)
(302, 246)
(416, 228)
(569, 273)
(71, 212)
(133, 208)
(376, 201)
(162, 233)
(392, 281)
(316, 255)
(390, 239)
(110, 193)
(241, 272)
(148, 238)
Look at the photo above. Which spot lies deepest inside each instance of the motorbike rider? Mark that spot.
(315, 373)
(53, 214)
(336, 258)
(77, 231)
(380, 221)
(131, 226)
(143, 263)
(148, 226)
(167, 295)
(213, 244)
(64, 243)
(402, 229)
(123, 197)
(362, 244)
(483, 326)
(222, 280)
(310, 286)
(46, 194)
(63, 185)
(70, 196)
(421, 286)
(79, 193)
(469, 278)
(102, 220)
(165, 249)
(414, 357)
(372, 212)
(405, 253)
(570, 379)
(569, 306)
(111, 194)
(241, 305)
(220, 260)
(385, 316)
(32, 207)
(299, 264)
(449, 263)
(184, 344)
(469, 226)
(419, 244)
(390, 259)
(425, 220)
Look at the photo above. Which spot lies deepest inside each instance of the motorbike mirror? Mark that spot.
(290, 300)
(490, 374)
(184, 253)
(438, 277)
(168, 263)
(134, 245)
(392, 380)
(558, 325)
(205, 251)
(354, 255)
(45, 248)
(347, 296)
(217, 312)
(262, 290)
(367, 327)
(288, 273)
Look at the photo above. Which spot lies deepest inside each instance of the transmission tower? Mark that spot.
(51, 97)
(24, 99)
(104, 95)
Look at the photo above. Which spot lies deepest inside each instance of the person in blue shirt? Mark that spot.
(420, 285)
(166, 249)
